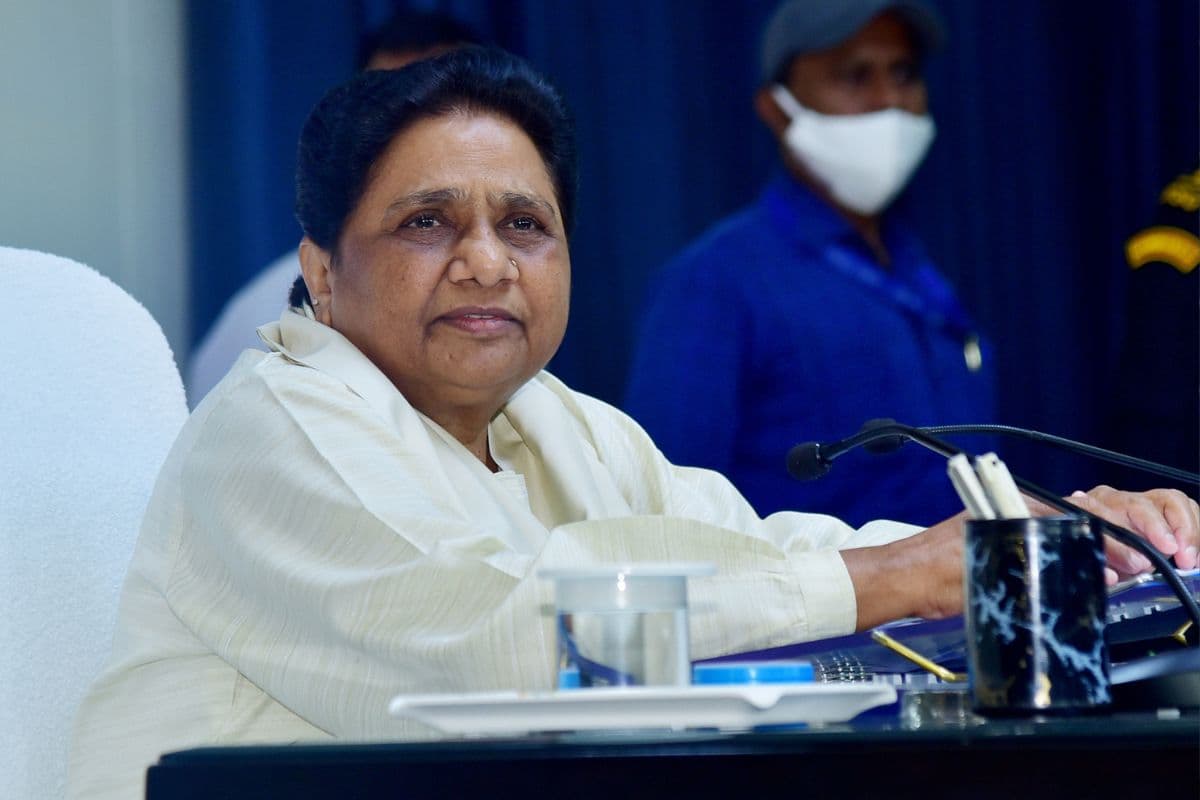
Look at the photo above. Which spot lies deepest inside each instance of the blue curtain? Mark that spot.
(1058, 123)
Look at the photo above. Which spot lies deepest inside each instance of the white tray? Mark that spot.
(730, 707)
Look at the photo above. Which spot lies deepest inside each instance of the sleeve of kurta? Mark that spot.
(781, 579)
(313, 557)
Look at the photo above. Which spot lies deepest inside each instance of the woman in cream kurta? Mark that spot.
(315, 546)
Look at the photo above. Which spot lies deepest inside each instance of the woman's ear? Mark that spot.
(315, 266)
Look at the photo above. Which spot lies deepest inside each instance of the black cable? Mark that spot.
(1126, 537)
(1099, 525)
(1072, 446)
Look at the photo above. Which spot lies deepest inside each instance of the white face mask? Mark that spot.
(864, 160)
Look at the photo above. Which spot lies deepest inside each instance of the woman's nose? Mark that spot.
(482, 257)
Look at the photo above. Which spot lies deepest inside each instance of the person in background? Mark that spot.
(816, 308)
(402, 39)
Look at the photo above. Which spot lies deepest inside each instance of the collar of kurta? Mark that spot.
(310, 343)
(538, 430)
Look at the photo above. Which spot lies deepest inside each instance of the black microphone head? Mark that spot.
(884, 444)
(804, 462)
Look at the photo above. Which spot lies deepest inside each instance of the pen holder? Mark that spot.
(1036, 607)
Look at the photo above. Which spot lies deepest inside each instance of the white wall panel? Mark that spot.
(92, 159)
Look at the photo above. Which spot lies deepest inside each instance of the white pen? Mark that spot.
(1001, 490)
(970, 491)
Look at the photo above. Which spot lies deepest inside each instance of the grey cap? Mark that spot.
(805, 26)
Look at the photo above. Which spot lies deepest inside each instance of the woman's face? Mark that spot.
(452, 273)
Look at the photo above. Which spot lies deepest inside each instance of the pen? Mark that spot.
(915, 657)
(1000, 487)
(970, 491)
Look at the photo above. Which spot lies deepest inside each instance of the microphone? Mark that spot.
(810, 460)
(807, 461)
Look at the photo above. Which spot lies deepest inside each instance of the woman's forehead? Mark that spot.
(451, 156)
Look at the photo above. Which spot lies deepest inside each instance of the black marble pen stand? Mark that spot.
(1035, 613)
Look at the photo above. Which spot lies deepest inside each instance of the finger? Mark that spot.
(1182, 515)
(1110, 576)
(1145, 516)
(1137, 512)
(1123, 558)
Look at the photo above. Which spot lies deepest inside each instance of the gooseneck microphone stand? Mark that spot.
(1071, 446)
(811, 460)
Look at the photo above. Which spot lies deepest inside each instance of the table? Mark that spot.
(1129, 755)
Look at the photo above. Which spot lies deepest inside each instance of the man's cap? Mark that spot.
(806, 26)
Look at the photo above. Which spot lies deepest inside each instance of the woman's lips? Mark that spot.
(480, 320)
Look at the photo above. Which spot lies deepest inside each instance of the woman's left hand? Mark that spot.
(1168, 519)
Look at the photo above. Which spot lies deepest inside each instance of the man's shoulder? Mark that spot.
(777, 226)
(734, 234)
(714, 263)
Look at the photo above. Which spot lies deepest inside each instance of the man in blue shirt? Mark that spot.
(814, 310)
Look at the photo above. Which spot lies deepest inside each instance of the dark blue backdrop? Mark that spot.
(1059, 123)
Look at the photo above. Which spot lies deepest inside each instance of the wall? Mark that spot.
(93, 141)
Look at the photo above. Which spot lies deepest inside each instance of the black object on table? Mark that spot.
(1118, 755)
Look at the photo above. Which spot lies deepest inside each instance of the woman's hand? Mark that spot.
(1168, 519)
(920, 576)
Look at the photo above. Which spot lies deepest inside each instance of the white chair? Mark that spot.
(90, 403)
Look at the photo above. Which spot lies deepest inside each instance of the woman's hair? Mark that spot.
(351, 127)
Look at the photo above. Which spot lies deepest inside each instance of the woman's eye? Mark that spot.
(525, 224)
(422, 221)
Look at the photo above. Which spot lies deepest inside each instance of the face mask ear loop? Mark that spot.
(788, 104)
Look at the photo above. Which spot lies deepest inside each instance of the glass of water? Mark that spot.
(624, 625)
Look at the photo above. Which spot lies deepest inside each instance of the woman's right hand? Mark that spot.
(920, 576)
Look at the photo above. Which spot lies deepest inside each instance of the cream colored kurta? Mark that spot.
(315, 546)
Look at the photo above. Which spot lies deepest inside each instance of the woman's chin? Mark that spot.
(487, 384)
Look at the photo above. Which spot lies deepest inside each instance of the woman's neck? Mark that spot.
(472, 433)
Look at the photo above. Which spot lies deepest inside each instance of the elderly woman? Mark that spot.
(363, 511)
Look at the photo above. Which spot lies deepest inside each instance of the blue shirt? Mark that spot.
(778, 326)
